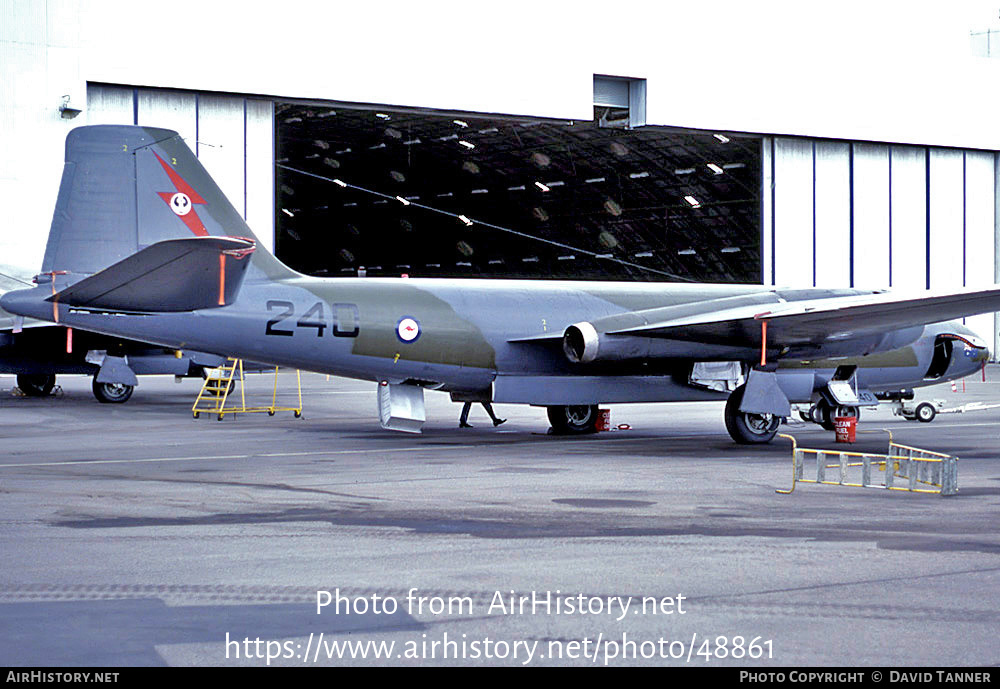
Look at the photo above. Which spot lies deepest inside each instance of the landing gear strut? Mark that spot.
(823, 413)
(111, 393)
(746, 428)
(573, 420)
(36, 384)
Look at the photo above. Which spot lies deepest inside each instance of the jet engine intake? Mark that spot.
(581, 343)
(585, 343)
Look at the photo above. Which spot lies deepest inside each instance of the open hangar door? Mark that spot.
(546, 199)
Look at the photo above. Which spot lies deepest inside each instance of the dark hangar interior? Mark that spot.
(546, 199)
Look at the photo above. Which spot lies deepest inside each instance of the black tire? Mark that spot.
(112, 393)
(573, 420)
(822, 414)
(848, 412)
(925, 412)
(36, 384)
(749, 429)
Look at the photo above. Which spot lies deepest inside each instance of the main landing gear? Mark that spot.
(41, 385)
(746, 428)
(112, 393)
(573, 420)
(36, 384)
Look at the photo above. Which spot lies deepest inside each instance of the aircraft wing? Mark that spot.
(817, 320)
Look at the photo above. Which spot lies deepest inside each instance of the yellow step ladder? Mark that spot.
(214, 397)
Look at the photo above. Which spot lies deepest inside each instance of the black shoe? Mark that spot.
(465, 425)
(497, 422)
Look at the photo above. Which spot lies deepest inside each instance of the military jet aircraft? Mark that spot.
(144, 245)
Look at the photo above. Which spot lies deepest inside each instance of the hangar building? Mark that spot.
(722, 141)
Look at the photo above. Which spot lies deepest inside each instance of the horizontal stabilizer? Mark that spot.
(173, 275)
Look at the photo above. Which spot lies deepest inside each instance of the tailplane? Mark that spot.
(125, 188)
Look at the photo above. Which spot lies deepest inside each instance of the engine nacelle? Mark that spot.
(585, 343)
(581, 343)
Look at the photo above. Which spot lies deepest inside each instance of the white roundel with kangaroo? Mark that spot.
(408, 329)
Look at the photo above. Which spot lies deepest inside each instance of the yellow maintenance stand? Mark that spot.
(216, 393)
(905, 468)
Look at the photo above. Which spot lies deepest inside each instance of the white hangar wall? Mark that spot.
(838, 214)
(895, 70)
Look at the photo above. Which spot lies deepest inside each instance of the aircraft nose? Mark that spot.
(974, 350)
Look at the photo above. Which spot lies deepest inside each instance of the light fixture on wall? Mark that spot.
(66, 112)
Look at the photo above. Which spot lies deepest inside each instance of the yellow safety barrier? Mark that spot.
(914, 466)
(214, 397)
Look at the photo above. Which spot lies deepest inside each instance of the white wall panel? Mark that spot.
(220, 145)
(833, 214)
(62, 78)
(22, 21)
(260, 171)
(62, 22)
(110, 105)
(947, 200)
(909, 218)
(169, 110)
(980, 188)
(871, 216)
(793, 212)
(766, 211)
(31, 145)
(902, 58)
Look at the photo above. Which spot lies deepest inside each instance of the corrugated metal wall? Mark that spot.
(869, 215)
(233, 136)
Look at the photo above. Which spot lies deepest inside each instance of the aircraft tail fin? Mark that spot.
(125, 188)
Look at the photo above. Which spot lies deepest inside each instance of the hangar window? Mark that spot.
(619, 102)
(465, 195)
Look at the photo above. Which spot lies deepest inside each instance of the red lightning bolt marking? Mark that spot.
(191, 218)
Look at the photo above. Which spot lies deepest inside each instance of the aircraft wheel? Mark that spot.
(36, 384)
(573, 420)
(821, 413)
(749, 429)
(925, 412)
(848, 412)
(112, 393)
